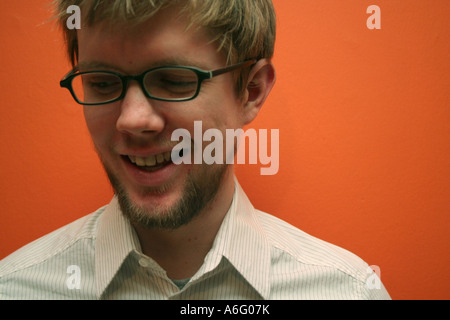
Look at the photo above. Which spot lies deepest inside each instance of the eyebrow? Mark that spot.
(91, 65)
(94, 65)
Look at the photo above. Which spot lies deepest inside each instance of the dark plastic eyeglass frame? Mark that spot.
(202, 75)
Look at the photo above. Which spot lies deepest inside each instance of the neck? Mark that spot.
(181, 252)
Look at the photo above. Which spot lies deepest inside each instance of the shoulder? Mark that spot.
(51, 245)
(328, 270)
(306, 248)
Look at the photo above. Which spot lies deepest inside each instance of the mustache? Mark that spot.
(129, 142)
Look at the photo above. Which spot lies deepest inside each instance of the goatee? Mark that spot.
(198, 192)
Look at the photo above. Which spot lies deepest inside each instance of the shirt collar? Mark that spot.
(240, 240)
(116, 238)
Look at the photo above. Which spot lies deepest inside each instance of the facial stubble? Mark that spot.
(198, 191)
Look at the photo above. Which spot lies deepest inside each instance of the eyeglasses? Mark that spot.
(172, 83)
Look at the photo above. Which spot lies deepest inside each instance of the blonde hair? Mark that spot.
(242, 29)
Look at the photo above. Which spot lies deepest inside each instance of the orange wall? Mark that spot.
(364, 119)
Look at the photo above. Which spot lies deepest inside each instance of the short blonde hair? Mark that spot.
(242, 29)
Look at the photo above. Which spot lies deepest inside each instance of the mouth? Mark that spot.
(153, 162)
(150, 163)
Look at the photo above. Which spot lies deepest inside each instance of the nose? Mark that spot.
(138, 115)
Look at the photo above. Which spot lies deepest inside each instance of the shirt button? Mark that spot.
(144, 262)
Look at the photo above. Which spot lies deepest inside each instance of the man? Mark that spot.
(143, 69)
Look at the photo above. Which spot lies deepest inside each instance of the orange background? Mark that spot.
(364, 119)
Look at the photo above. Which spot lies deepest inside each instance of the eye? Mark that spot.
(171, 83)
(102, 83)
(178, 83)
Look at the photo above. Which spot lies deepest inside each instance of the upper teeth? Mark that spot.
(151, 160)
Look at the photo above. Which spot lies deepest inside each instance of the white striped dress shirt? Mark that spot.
(254, 256)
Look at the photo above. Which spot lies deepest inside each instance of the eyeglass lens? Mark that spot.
(165, 83)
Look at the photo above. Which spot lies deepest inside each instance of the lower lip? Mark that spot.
(153, 178)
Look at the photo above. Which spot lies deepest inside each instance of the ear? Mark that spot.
(260, 81)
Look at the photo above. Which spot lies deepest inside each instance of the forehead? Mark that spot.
(162, 39)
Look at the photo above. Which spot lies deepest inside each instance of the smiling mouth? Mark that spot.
(151, 163)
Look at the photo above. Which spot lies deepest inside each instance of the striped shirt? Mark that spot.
(254, 256)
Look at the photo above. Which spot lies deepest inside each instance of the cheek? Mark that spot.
(230, 111)
(221, 111)
(101, 123)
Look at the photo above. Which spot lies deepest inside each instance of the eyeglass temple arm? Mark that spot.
(233, 67)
